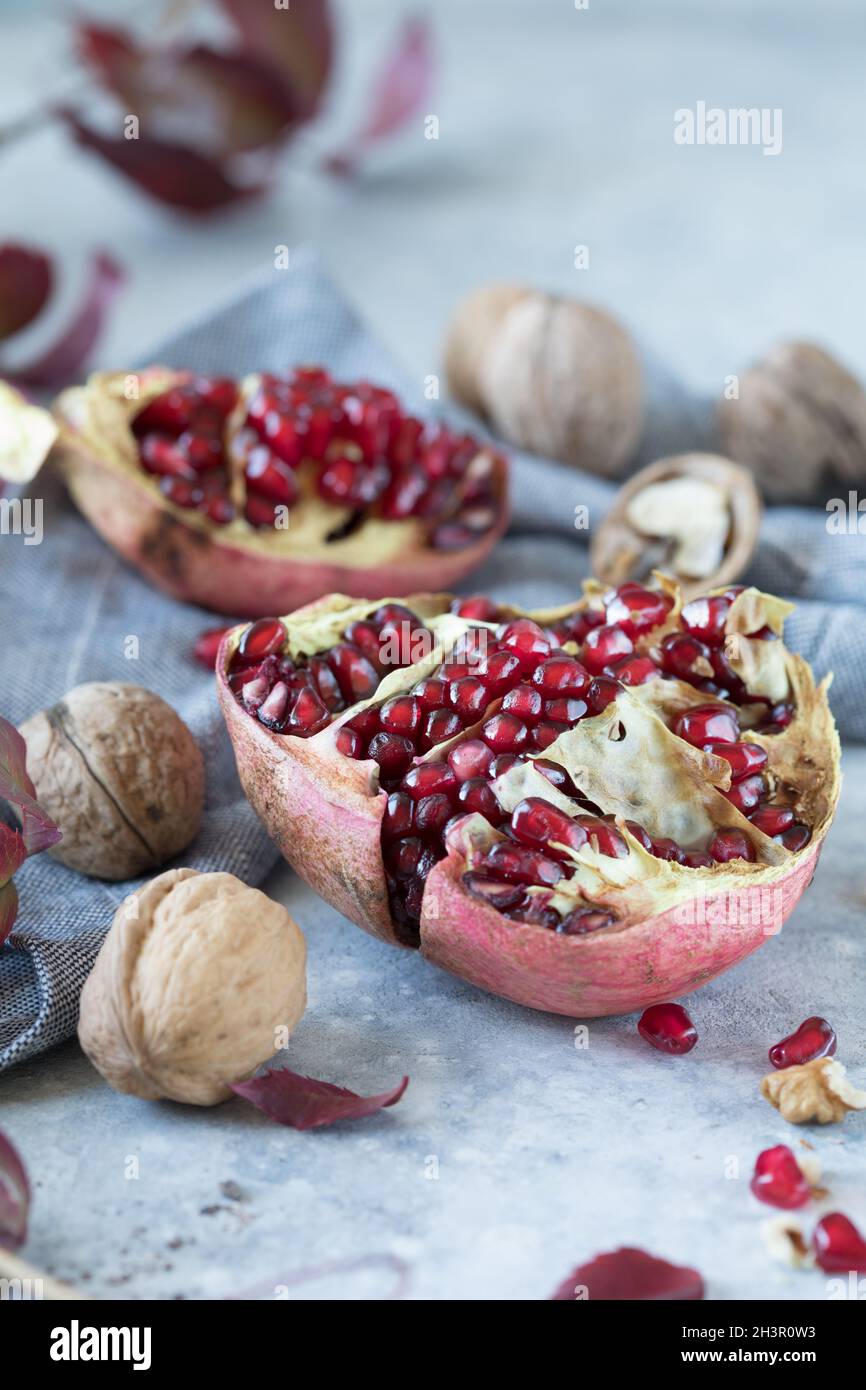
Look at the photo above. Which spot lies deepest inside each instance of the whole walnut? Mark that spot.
(122, 776)
(799, 422)
(199, 981)
(551, 375)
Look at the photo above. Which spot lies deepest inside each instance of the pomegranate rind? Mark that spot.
(233, 569)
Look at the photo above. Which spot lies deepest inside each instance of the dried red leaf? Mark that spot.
(14, 1197)
(63, 360)
(37, 830)
(632, 1275)
(13, 852)
(8, 909)
(399, 93)
(303, 1103)
(297, 39)
(25, 286)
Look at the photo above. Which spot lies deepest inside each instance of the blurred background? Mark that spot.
(555, 129)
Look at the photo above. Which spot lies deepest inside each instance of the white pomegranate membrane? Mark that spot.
(507, 690)
(223, 454)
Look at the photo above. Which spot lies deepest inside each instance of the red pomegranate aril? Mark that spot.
(365, 636)
(350, 742)
(432, 813)
(534, 911)
(538, 823)
(563, 711)
(744, 758)
(399, 815)
(520, 864)
(403, 856)
(703, 724)
(601, 693)
(207, 645)
(795, 838)
(272, 710)
(439, 725)
(499, 670)
(524, 701)
(403, 493)
(634, 670)
(365, 722)
(260, 511)
(545, 734)
(583, 920)
(478, 609)
(263, 638)
(356, 676)
(171, 412)
(778, 1179)
(470, 759)
(325, 682)
(839, 1246)
(202, 452)
(161, 455)
(605, 838)
(431, 693)
(668, 1028)
(496, 892)
(308, 714)
(814, 1038)
(476, 794)
(643, 839)
(747, 793)
(284, 437)
(697, 859)
(665, 848)
(469, 697)
(503, 763)
(429, 778)
(220, 393)
(393, 753)
(505, 733)
(781, 716)
(685, 657)
(526, 640)
(555, 774)
(726, 845)
(401, 715)
(772, 820)
(561, 676)
(219, 508)
(636, 610)
(269, 477)
(603, 646)
(705, 619)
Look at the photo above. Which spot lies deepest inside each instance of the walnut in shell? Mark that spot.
(551, 375)
(818, 1090)
(799, 423)
(694, 516)
(199, 981)
(122, 776)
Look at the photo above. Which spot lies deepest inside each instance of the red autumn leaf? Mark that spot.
(25, 287)
(13, 852)
(217, 103)
(303, 1103)
(171, 173)
(37, 830)
(632, 1275)
(14, 1197)
(294, 36)
(8, 909)
(400, 92)
(63, 360)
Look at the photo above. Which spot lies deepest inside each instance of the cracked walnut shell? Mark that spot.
(818, 1090)
(199, 981)
(122, 776)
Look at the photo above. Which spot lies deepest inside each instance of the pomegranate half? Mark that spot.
(255, 496)
(588, 810)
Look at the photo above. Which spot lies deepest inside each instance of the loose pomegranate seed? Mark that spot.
(207, 645)
(605, 838)
(703, 724)
(499, 671)
(496, 892)
(470, 760)
(634, 670)
(350, 743)
(433, 812)
(563, 711)
(504, 733)
(520, 864)
(744, 758)
(705, 619)
(440, 724)
(772, 820)
(478, 609)
(603, 646)
(469, 697)
(356, 677)
(731, 844)
(583, 920)
(664, 848)
(814, 1038)
(431, 693)
(261, 639)
(795, 838)
(746, 794)
(668, 1028)
(778, 1179)
(393, 753)
(685, 657)
(526, 640)
(272, 711)
(561, 675)
(537, 823)
(308, 713)
(839, 1246)
(476, 794)
(399, 815)
(525, 702)
(401, 715)
(601, 693)
(428, 778)
(636, 609)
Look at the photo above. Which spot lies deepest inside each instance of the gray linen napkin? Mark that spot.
(67, 605)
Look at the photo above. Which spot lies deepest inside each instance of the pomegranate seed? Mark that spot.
(161, 456)
(780, 717)
(476, 794)
(171, 412)
(350, 743)
(403, 493)
(583, 920)
(272, 711)
(403, 857)
(668, 1028)
(746, 794)
(398, 817)
(494, 891)
(429, 778)
(839, 1246)
(536, 822)
(440, 724)
(207, 645)
(432, 813)
(525, 702)
(504, 733)
(685, 657)
(325, 683)
(504, 763)
(480, 609)
(772, 820)
(219, 508)
(603, 646)
(520, 864)
(555, 774)
(564, 711)
(724, 674)
(218, 392)
(260, 511)
(533, 910)
(601, 693)
(283, 437)
(605, 838)
(393, 753)
(545, 734)
(705, 619)
(401, 715)
(561, 675)
(526, 640)
(308, 714)
(814, 1038)
(703, 724)
(731, 844)
(356, 677)
(468, 696)
(261, 639)
(365, 722)
(778, 1179)
(634, 670)
(499, 671)
(795, 838)
(664, 848)
(640, 835)
(470, 760)
(744, 758)
(365, 636)
(203, 452)
(268, 476)
(431, 693)
(698, 859)
(636, 609)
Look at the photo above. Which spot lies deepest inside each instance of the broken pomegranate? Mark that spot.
(779, 1180)
(814, 1038)
(469, 779)
(255, 496)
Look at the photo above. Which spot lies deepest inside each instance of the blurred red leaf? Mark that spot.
(13, 852)
(173, 174)
(14, 1196)
(632, 1275)
(8, 912)
(62, 361)
(400, 92)
(37, 830)
(25, 286)
(296, 37)
(303, 1103)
